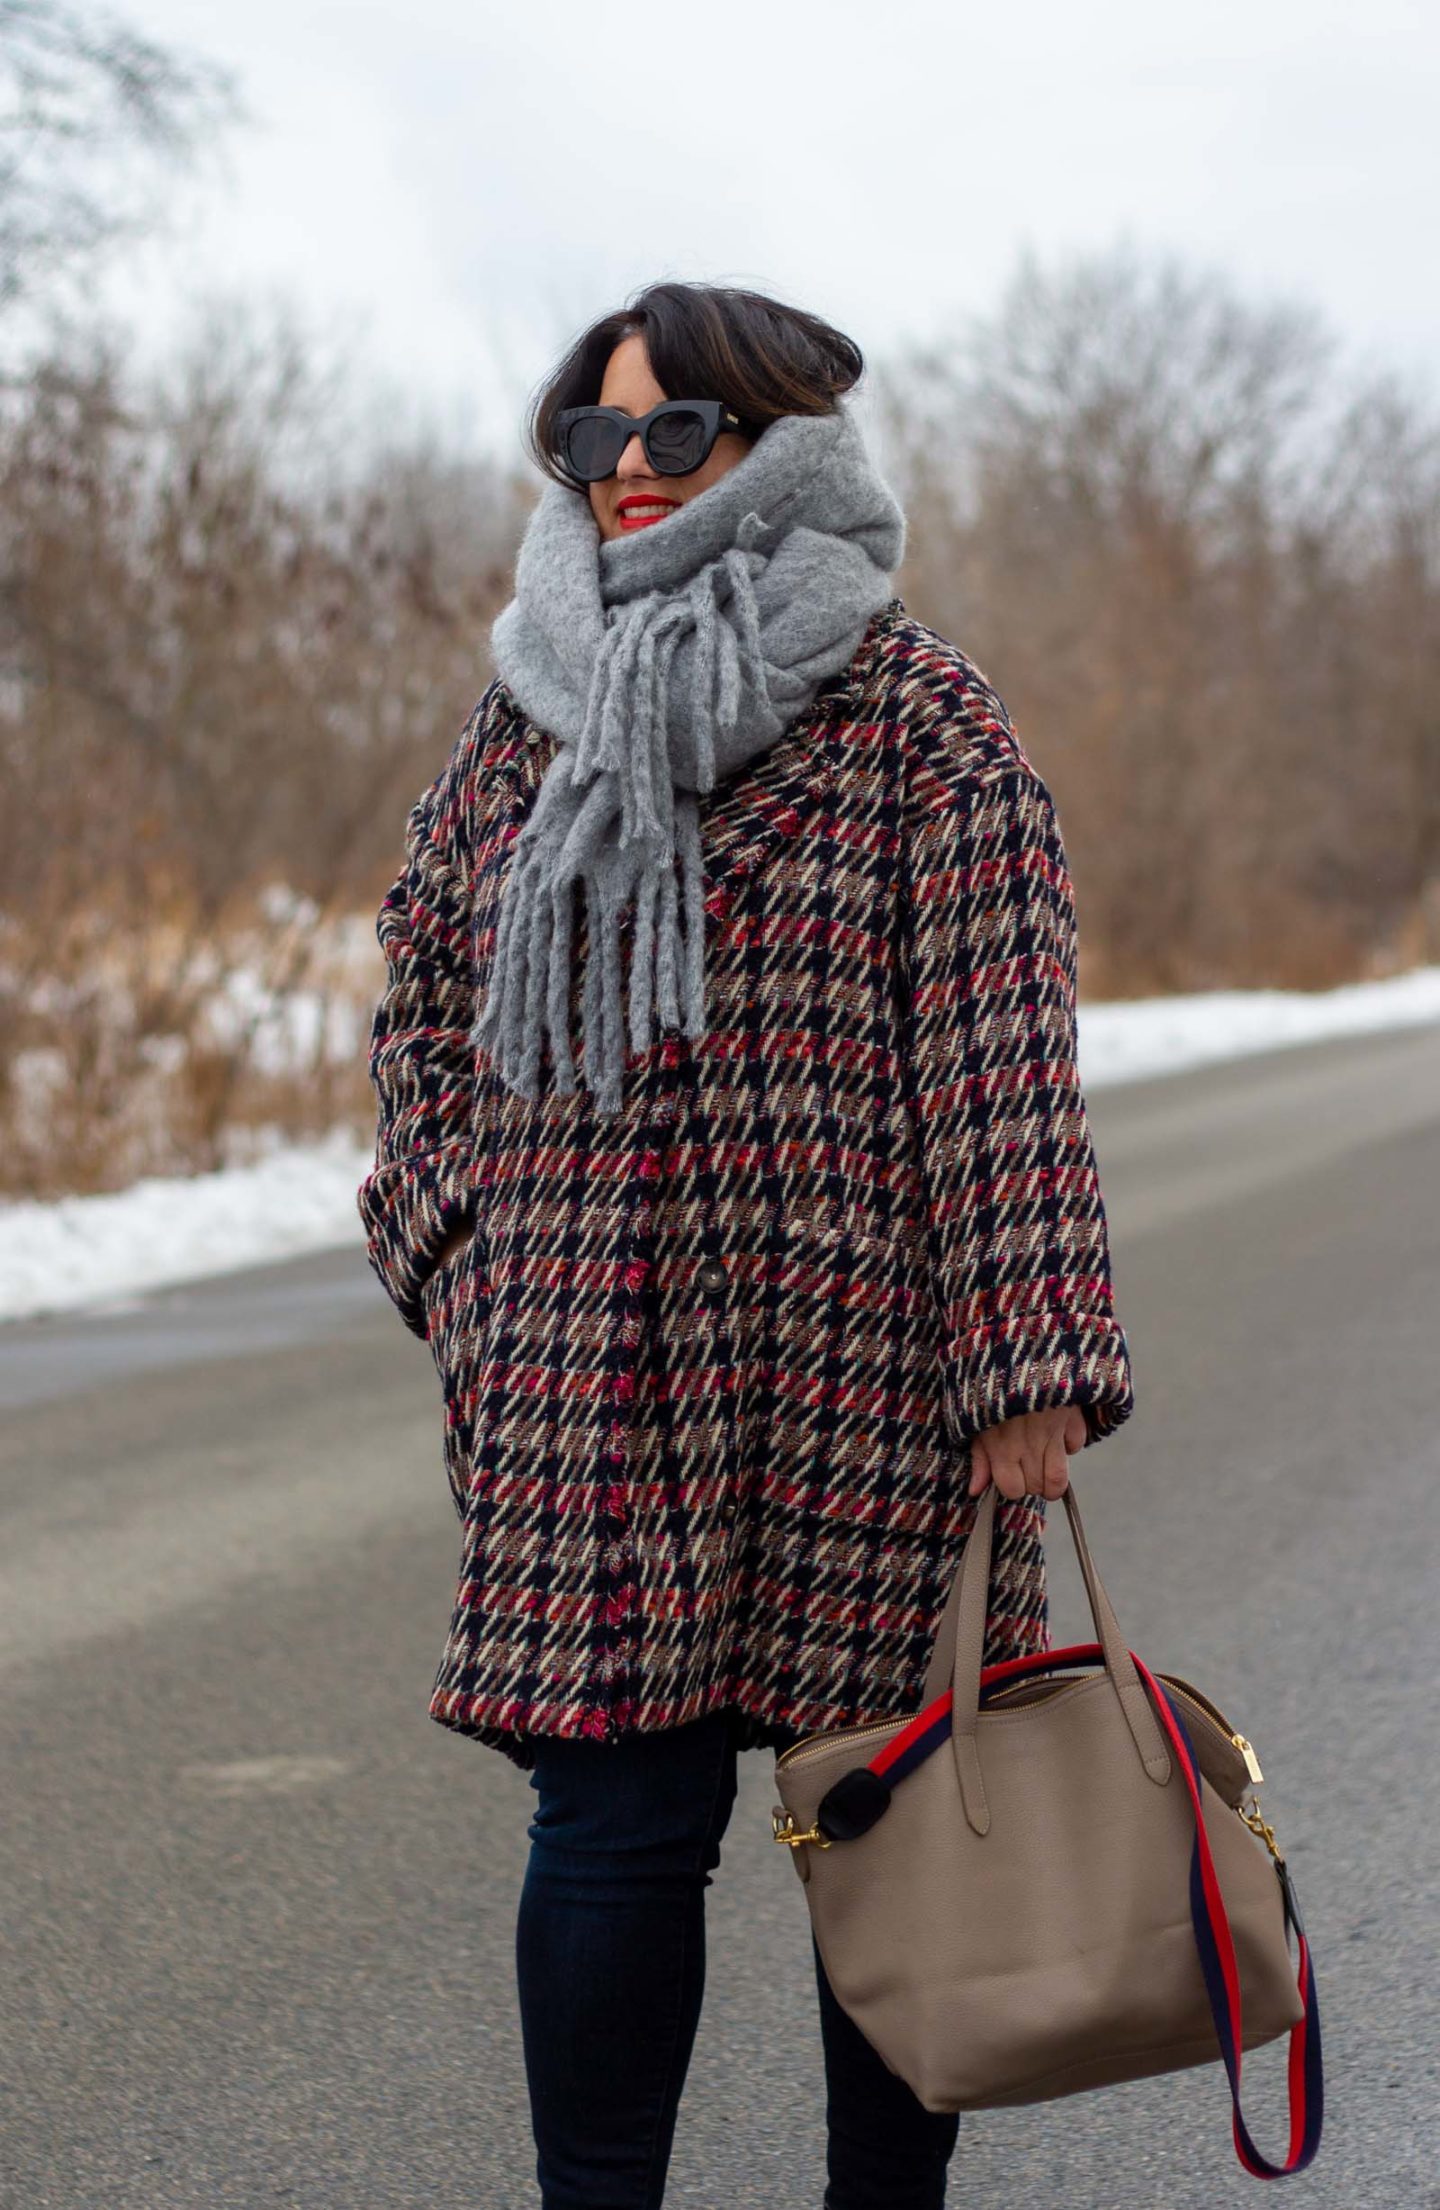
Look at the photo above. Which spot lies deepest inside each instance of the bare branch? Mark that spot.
(93, 118)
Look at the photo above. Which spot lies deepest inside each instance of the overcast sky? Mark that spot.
(458, 186)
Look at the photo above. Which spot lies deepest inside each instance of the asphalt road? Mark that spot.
(258, 1908)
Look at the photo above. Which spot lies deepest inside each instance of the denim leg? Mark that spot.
(610, 1952)
(885, 2150)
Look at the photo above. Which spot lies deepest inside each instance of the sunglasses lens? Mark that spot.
(677, 442)
(592, 446)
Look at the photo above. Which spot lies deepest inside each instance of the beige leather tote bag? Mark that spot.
(1045, 1881)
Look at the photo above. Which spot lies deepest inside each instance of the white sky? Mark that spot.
(457, 186)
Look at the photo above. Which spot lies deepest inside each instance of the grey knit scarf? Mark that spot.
(664, 660)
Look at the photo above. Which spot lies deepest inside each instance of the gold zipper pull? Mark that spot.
(1252, 1762)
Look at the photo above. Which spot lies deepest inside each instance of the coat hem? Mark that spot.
(755, 1728)
(757, 1724)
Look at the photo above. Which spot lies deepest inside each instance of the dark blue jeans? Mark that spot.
(610, 1956)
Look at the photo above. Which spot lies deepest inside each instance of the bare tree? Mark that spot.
(93, 117)
(224, 677)
(1174, 532)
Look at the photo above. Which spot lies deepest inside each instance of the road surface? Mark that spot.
(258, 1907)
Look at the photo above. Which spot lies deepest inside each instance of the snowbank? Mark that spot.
(87, 1250)
(92, 1250)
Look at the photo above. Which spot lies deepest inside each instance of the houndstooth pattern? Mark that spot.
(710, 1370)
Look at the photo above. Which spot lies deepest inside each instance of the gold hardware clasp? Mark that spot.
(1257, 1822)
(783, 1830)
(1252, 1762)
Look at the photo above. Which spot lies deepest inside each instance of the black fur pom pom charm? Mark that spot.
(853, 1805)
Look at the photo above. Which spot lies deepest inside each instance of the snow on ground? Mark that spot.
(76, 1251)
(93, 1251)
(1135, 1037)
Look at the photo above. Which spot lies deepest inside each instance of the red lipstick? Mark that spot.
(637, 510)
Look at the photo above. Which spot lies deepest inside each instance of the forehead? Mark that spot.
(628, 380)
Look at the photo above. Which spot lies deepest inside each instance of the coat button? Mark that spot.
(532, 736)
(712, 1274)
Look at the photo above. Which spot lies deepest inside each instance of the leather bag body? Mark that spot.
(1017, 1925)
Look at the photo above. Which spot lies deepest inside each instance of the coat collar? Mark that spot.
(764, 803)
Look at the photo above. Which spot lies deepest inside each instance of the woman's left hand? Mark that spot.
(1027, 1455)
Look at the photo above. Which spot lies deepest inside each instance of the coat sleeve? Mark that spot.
(1018, 1233)
(419, 1057)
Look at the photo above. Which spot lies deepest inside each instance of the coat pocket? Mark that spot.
(456, 1301)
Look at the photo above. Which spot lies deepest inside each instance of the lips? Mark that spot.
(638, 512)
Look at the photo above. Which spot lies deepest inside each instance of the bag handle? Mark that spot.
(959, 1647)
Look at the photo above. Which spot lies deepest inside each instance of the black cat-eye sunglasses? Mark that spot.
(677, 436)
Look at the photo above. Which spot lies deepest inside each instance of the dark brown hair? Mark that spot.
(705, 341)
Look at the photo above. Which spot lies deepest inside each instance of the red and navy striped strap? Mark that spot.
(931, 1726)
(1222, 1979)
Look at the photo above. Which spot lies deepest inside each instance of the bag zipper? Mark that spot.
(841, 1734)
(1246, 1749)
(813, 1744)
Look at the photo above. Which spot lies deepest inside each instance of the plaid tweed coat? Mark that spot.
(710, 1370)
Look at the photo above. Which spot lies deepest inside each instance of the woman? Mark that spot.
(738, 1307)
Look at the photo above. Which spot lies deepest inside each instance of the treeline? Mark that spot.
(241, 625)
(1200, 559)
(230, 658)
(242, 621)
(237, 639)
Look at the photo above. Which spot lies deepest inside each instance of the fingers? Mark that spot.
(1029, 1454)
(1041, 1468)
(1006, 1468)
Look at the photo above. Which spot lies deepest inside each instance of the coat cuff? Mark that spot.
(1028, 1366)
(408, 1207)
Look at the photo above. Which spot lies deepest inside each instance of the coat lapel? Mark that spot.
(761, 806)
